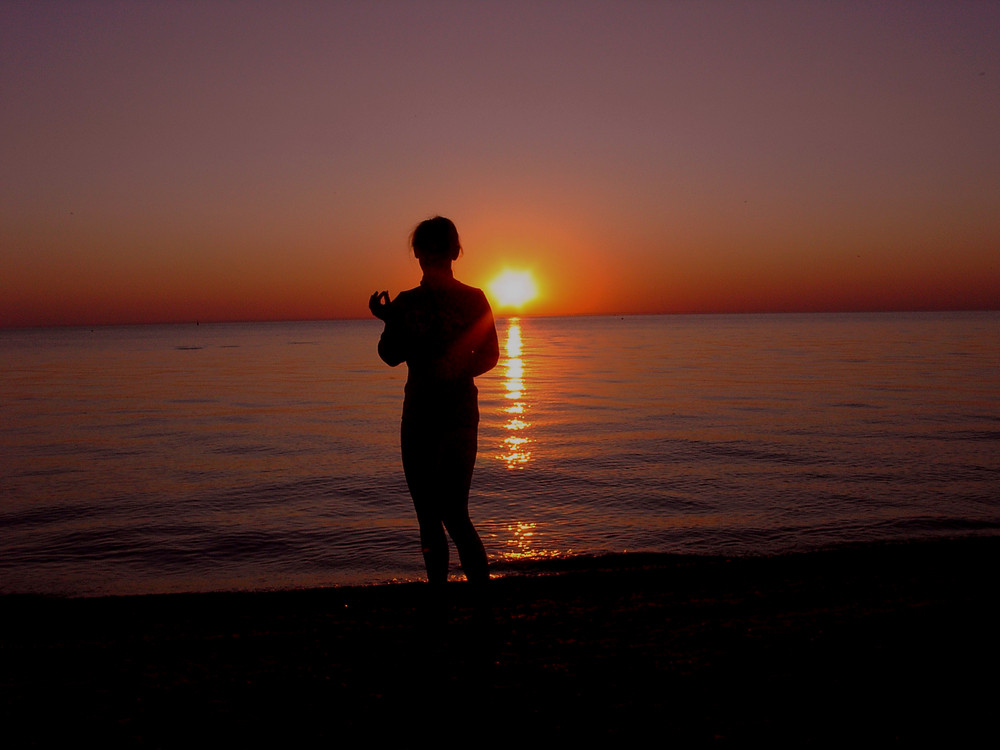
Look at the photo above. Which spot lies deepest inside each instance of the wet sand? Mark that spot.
(877, 643)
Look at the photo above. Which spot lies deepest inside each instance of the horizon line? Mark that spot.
(505, 316)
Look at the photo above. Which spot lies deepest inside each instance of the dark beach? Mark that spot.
(881, 642)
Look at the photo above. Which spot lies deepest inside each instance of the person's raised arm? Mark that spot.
(379, 305)
(391, 345)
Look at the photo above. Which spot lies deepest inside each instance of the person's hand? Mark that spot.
(379, 305)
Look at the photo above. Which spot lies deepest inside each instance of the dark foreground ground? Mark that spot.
(871, 644)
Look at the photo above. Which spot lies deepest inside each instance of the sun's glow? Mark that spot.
(513, 288)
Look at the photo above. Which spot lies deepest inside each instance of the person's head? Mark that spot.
(435, 242)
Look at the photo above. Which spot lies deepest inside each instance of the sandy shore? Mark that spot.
(876, 642)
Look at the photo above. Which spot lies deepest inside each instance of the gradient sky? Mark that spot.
(180, 161)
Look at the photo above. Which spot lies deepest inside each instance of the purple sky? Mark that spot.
(241, 160)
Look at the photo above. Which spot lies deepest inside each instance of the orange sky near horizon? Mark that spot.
(171, 162)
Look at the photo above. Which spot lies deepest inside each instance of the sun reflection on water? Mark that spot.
(516, 445)
(519, 542)
(521, 539)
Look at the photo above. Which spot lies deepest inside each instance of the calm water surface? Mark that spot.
(243, 456)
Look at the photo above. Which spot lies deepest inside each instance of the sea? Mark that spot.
(259, 456)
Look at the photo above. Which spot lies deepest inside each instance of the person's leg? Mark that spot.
(434, 546)
(421, 466)
(438, 465)
(456, 519)
(470, 548)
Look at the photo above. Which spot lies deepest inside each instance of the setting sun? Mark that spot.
(513, 288)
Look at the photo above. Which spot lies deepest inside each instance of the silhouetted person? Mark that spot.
(444, 331)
